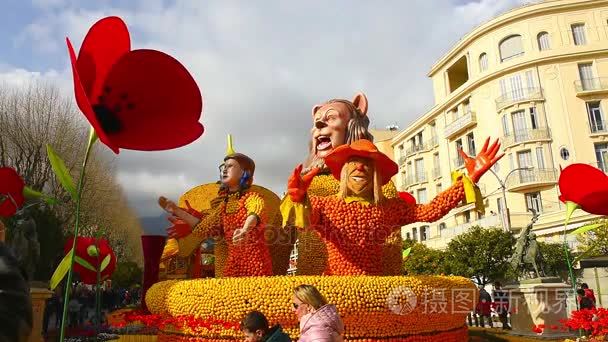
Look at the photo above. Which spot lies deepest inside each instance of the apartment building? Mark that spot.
(535, 77)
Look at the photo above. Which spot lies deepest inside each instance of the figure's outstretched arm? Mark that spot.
(256, 214)
(295, 207)
(209, 226)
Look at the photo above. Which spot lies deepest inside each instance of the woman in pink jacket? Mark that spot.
(319, 321)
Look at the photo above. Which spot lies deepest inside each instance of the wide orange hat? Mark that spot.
(365, 149)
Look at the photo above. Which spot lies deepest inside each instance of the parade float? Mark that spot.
(350, 254)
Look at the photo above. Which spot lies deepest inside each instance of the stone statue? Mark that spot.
(24, 243)
(527, 252)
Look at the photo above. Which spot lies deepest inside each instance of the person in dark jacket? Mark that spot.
(583, 301)
(256, 329)
(15, 300)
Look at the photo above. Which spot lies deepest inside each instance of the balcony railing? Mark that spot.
(436, 172)
(458, 125)
(533, 177)
(402, 160)
(521, 136)
(434, 141)
(591, 84)
(488, 221)
(415, 179)
(598, 127)
(458, 162)
(414, 149)
(519, 95)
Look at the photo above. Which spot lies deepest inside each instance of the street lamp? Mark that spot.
(506, 218)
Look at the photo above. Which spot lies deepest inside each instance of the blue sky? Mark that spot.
(261, 67)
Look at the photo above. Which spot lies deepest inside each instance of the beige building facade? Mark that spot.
(535, 77)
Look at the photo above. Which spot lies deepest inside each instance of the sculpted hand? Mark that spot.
(484, 160)
(298, 185)
(179, 229)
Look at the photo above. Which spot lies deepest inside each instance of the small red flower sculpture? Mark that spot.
(134, 99)
(88, 258)
(585, 186)
(11, 191)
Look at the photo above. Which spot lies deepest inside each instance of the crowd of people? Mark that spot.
(497, 303)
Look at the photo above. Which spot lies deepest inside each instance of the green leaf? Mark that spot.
(61, 270)
(84, 263)
(31, 193)
(586, 228)
(407, 252)
(105, 262)
(61, 172)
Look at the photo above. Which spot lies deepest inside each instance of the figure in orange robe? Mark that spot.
(355, 223)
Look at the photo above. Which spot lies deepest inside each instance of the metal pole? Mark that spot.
(505, 214)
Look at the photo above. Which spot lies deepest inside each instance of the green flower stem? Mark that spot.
(68, 283)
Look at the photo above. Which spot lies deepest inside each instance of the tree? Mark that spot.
(34, 116)
(480, 254)
(127, 274)
(424, 260)
(554, 259)
(595, 242)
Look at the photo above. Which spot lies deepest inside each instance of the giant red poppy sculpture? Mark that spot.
(134, 99)
(584, 186)
(11, 191)
(92, 254)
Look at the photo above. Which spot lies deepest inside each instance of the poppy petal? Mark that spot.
(10, 181)
(595, 202)
(153, 102)
(7, 207)
(407, 197)
(107, 40)
(577, 180)
(84, 104)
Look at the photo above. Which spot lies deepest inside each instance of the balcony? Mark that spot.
(449, 233)
(460, 124)
(434, 141)
(436, 172)
(414, 149)
(415, 179)
(402, 160)
(533, 178)
(527, 135)
(591, 86)
(518, 96)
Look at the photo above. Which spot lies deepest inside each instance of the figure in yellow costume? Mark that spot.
(237, 213)
(355, 223)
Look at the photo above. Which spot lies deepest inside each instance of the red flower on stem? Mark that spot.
(134, 99)
(90, 258)
(407, 197)
(11, 191)
(584, 186)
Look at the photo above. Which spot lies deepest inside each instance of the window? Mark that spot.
(510, 47)
(524, 159)
(459, 160)
(410, 169)
(540, 158)
(511, 163)
(496, 166)
(578, 34)
(483, 62)
(467, 216)
(530, 80)
(543, 41)
(418, 137)
(505, 125)
(442, 228)
(564, 153)
(503, 86)
(436, 165)
(596, 117)
(424, 231)
(420, 170)
(414, 234)
(585, 71)
(471, 144)
(533, 202)
(601, 156)
(458, 73)
(408, 236)
(517, 88)
(422, 199)
(499, 205)
(466, 107)
(533, 118)
(434, 132)
(438, 188)
(520, 126)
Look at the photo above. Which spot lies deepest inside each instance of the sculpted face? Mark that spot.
(329, 130)
(231, 173)
(331, 125)
(360, 173)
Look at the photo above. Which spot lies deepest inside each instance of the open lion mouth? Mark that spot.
(323, 143)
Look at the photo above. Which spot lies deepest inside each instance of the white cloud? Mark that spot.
(17, 77)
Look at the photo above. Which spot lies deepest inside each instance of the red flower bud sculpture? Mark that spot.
(11, 191)
(586, 187)
(90, 255)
